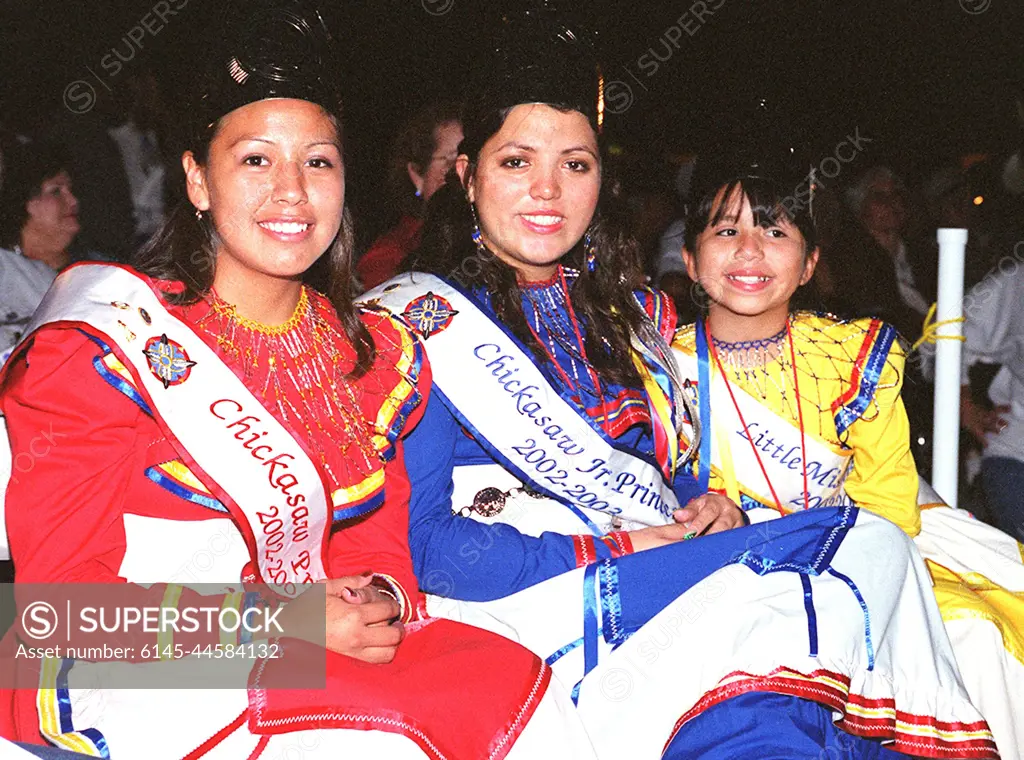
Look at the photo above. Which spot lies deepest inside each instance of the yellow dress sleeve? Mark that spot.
(884, 476)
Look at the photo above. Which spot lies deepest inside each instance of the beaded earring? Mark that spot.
(589, 252)
(478, 237)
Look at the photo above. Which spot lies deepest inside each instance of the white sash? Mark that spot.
(779, 447)
(230, 441)
(495, 389)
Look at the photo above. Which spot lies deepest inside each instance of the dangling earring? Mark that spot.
(589, 252)
(199, 215)
(478, 237)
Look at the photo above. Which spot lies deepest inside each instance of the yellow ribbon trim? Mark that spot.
(48, 707)
(930, 329)
(345, 496)
(180, 472)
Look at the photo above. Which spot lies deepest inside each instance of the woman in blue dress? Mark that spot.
(551, 502)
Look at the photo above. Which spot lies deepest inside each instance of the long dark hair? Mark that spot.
(184, 249)
(603, 298)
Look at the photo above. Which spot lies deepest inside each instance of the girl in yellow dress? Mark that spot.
(800, 410)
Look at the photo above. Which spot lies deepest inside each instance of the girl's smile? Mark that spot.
(750, 268)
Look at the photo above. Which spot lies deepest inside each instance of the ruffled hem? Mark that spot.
(911, 725)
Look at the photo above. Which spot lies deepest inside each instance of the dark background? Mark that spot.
(926, 80)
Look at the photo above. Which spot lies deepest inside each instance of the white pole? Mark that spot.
(946, 415)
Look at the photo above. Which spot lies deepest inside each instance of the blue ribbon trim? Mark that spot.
(611, 603)
(64, 712)
(358, 510)
(168, 483)
(864, 608)
(870, 376)
(576, 692)
(589, 619)
(748, 502)
(704, 408)
(563, 651)
(119, 384)
(812, 617)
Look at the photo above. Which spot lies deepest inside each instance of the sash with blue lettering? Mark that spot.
(492, 385)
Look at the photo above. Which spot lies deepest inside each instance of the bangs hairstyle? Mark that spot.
(603, 299)
(185, 250)
(771, 203)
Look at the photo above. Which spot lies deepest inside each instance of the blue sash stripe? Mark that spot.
(870, 376)
(704, 403)
(812, 618)
(169, 484)
(864, 608)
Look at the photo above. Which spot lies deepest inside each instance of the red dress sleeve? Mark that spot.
(75, 446)
(394, 396)
(379, 542)
(79, 449)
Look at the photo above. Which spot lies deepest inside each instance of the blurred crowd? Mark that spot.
(95, 186)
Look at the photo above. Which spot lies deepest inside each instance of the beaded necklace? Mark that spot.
(549, 316)
(751, 354)
(298, 369)
(775, 340)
